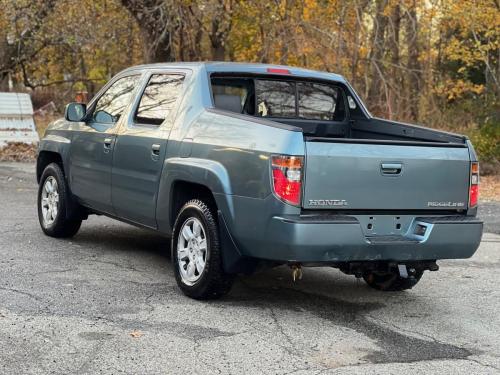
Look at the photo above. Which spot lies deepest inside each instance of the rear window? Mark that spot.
(279, 98)
(234, 94)
(317, 101)
(275, 98)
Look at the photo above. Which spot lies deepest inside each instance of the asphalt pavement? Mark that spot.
(106, 302)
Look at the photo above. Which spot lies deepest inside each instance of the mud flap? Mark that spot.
(232, 260)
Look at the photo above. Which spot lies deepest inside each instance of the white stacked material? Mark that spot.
(16, 119)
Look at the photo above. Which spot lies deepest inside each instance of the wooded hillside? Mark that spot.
(435, 62)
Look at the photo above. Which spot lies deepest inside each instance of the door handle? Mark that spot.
(155, 149)
(107, 144)
(391, 168)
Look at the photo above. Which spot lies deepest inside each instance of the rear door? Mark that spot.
(392, 176)
(140, 149)
(91, 151)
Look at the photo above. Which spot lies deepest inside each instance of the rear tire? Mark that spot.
(53, 201)
(196, 253)
(391, 281)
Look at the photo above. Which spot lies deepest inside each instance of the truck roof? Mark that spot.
(239, 67)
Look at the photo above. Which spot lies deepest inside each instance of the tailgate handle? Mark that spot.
(391, 168)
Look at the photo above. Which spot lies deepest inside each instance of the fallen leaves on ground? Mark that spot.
(18, 151)
(136, 334)
(489, 188)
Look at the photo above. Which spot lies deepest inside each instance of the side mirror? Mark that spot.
(75, 112)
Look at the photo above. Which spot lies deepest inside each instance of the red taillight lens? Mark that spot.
(474, 185)
(278, 71)
(287, 178)
(473, 195)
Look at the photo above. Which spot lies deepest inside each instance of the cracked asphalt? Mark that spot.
(70, 307)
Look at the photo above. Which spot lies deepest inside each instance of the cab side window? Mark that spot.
(158, 99)
(110, 106)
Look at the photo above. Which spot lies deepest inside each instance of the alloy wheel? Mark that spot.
(50, 201)
(192, 250)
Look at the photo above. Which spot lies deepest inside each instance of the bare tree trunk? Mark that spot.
(340, 40)
(377, 90)
(414, 68)
(4, 57)
(263, 56)
(284, 31)
(183, 46)
(217, 41)
(395, 25)
(359, 9)
(130, 38)
(220, 28)
(154, 25)
(188, 33)
(197, 53)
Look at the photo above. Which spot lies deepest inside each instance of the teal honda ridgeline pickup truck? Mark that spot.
(248, 165)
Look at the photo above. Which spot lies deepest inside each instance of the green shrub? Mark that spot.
(486, 140)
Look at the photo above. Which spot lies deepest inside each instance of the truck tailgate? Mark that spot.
(366, 176)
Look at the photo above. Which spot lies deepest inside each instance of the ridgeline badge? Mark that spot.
(445, 204)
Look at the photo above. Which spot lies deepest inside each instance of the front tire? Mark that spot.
(196, 253)
(53, 201)
(391, 281)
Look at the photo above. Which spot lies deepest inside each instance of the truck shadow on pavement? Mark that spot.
(273, 289)
(395, 343)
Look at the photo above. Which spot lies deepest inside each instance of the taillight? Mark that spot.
(278, 71)
(287, 178)
(474, 184)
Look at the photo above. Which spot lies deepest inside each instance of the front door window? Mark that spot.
(111, 105)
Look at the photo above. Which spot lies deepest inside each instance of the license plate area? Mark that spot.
(385, 225)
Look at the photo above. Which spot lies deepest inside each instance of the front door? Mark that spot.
(140, 149)
(93, 142)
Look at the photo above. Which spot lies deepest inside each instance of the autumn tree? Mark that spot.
(154, 19)
(430, 61)
(22, 34)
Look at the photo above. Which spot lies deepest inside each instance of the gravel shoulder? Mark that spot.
(106, 302)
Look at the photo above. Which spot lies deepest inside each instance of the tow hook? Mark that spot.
(296, 271)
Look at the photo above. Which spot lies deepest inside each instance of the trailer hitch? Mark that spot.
(403, 272)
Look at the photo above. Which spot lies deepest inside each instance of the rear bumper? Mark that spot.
(334, 239)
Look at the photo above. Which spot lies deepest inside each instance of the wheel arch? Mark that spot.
(45, 158)
(52, 149)
(183, 191)
(187, 178)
